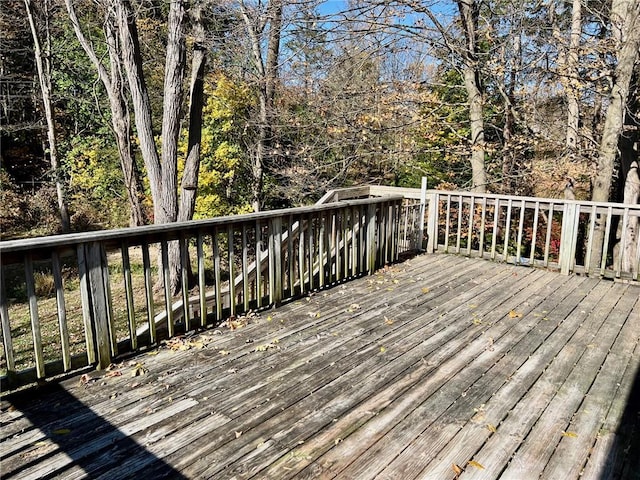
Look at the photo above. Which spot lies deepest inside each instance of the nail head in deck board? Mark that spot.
(436, 325)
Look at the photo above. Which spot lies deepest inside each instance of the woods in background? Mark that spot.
(124, 112)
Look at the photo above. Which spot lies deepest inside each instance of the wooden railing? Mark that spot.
(84, 299)
(594, 238)
(79, 300)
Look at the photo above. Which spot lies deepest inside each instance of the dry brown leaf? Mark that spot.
(113, 373)
(492, 428)
(138, 370)
(514, 314)
(388, 321)
(457, 470)
(383, 349)
(569, 434)
(425, 290)
(238, 434)
(473, 463)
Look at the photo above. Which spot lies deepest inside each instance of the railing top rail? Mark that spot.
(140, 233)
(414, 193)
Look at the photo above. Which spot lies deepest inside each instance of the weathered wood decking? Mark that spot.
(434, 365)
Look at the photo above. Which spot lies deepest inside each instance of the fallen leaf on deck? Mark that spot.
(383, 349)
(138, 370)
(477, 321)
(224, 352)
(113, 373)
(238, 434)
(425, 290)
(457, 470)
(491, 428)
(514, 314)
(473, 463)
(153, 352)
(337, 441)
(61, 431)
(84, 379)
(569, 434)
(388, 321)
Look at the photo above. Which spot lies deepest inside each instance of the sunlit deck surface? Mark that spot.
(437, 367)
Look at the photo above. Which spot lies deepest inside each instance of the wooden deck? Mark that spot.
(439, 367)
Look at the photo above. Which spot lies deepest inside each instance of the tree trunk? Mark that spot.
(120, 122)
(43, 65)
(469, 14)
(614, 119)
(571, 75)
(196, 103)
(267, 71)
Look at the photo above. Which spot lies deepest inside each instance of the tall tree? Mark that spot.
(263, 26)
(42, 52)
(111, 76)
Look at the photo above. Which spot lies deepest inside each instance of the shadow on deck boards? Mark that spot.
(59, 423)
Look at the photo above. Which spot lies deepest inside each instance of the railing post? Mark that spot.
(275, 259)
(94, 278)
(432, 223)
(568, 237)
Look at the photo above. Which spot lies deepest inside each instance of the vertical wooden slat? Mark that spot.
(202, 293)
(607, 232)
(100, 309)
(446, 225)
(520, 231)
(245, 269)
(472, 208)
(592, 225)
(231, 256)
(483, 221)
(301, 253)
(371, 239)
(62, 311)
(321, 250)
(258, 264)
(83, 271)
(6, 325)
(547, 241)
(164, 247)
(337, 222)
(355, 227)
(275, 249)
(494, 235)
(534, 234)
(311, 247)
(623, 245)
(106, 287)
(507, 230)
(128, 292)
(148, 290)
(216, 274)
(33, 314)
(574, 238)
(290, 263)
(184, 279)
(459, 229)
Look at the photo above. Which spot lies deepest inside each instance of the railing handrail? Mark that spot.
(105, 236)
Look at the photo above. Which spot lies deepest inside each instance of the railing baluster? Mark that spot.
(166, 275)
(231, 257)
(483, 220)
(184, 281)
(128, 291)
(472, 205)
(290, 263)
(7, 339)
(62, 311)
(623, 243)
(547, 242)
(496, 221)
(520, 230)
(301, 253)
(33, 314)
(459, 229)
(607, 232)
(148, 290)
(216, 274)
(83, 271)
(202, 294)
(534, 234)
(592, 227)
(321, 251)
(446, 225)
(259, 287)
(245, 267)
(507, 231)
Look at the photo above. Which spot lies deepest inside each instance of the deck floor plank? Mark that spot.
(396, 375)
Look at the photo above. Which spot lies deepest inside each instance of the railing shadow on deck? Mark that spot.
(92, 444)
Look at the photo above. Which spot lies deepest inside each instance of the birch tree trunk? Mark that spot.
(571, 78)
(43, 65)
